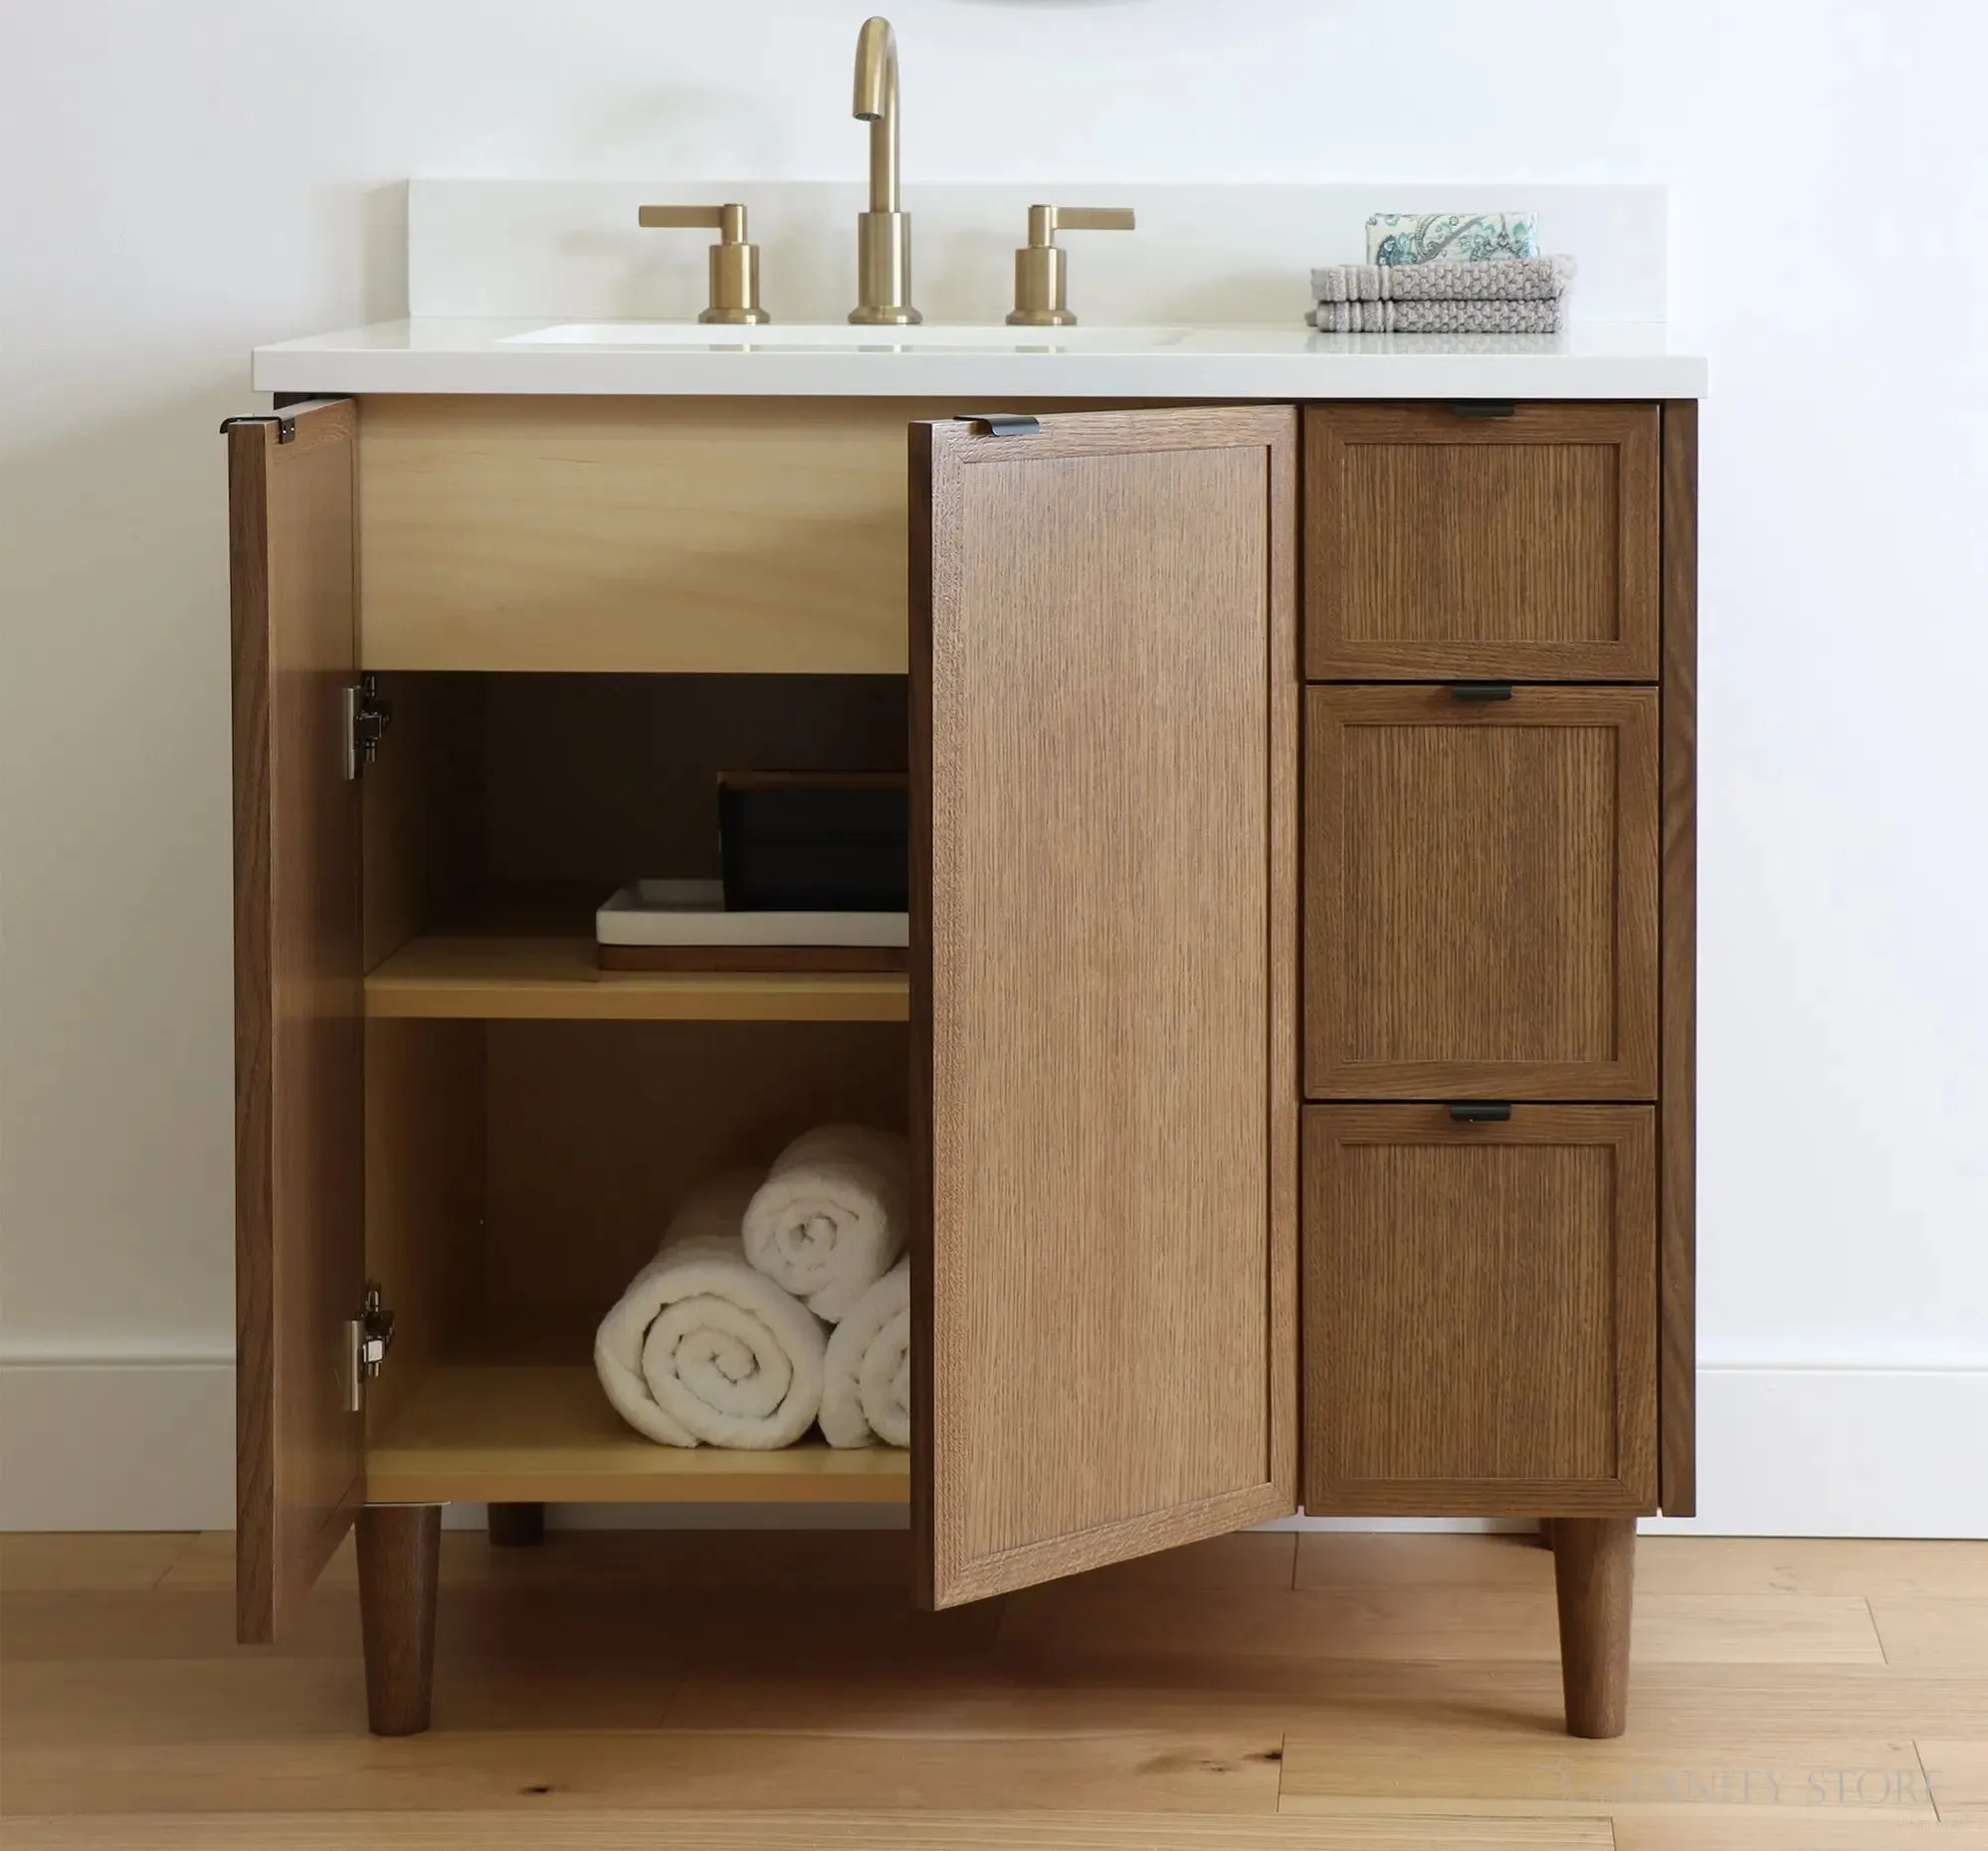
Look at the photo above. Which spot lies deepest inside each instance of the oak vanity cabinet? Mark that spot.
(1094, 1051)
(489, 654)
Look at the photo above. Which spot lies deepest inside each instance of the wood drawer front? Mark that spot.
(1481, 894)
(1480, 1310)
(1437, 546)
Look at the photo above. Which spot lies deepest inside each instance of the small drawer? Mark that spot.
(1480, 1310)
(1480, 893)
(1442, 543)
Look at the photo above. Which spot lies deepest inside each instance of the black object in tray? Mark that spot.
(799, 841)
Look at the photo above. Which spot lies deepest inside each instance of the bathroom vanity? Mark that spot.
(1298, 1044)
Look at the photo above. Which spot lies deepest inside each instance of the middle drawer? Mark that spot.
(1480, 893)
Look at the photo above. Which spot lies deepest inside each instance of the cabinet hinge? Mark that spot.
(370, 1336)
(367, 717)
(286, 427)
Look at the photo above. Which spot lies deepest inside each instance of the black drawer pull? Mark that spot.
(1483, 408)
(1480, 691)
(1480, 1111)
(1005, 423)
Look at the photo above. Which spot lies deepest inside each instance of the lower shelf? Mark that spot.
(477, 1433)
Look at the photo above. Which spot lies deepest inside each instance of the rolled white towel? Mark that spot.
(703, 1347)
(867, 1382)
(828, 1220)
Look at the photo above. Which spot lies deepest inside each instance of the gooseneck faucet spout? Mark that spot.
(877, 104)
(883, 233)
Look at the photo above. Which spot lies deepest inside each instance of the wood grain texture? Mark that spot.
(1368, 1687)
(597, 1131)
(556, 1770)
(421, 808)
(1479, 1322)
(1668, 1775)
(678, 1560)
(1957, 1778)
(792, 960)
(1665, 1565)
(512, 805)
(50, 1562)
(538, 978)
(1594, 1578)
(1850, 1828)
(1678, 1113)
(732, 1830)
(399, 1554)
(1103, 899)
(1480, 895)
(1143, 1627)
(426, 1161)
(298, 1134)
(479, 1433)
(742, 536)
(1886, 1569)
(1386, 1558)
(604, 780)
(1410, 1709)
(1282, 949)
(1438, 546)
(1933, 1631)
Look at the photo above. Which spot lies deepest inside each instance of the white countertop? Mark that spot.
(1598, 360)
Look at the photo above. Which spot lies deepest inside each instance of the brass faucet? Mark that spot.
(1041, 277)
(883, 233)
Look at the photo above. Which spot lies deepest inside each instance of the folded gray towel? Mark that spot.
(1438, 317)
(1529, 278)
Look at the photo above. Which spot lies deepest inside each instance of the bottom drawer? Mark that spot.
(1480, 1306)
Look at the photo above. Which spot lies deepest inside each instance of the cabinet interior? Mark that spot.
(530, 1121)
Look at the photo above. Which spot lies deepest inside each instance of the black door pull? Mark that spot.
(1480, 691)
(1480, 1111)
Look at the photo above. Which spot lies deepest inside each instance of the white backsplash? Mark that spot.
(571, 250)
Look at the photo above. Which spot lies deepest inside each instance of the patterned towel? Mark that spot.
(1528, 279)
(1451, 237)
(1438, 317)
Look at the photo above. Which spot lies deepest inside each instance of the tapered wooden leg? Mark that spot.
(400, 1548)
(1594, 1574)
(518, 1526)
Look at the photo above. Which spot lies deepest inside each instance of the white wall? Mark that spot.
(183, 181)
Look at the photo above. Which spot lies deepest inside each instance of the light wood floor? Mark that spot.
(775, 1693)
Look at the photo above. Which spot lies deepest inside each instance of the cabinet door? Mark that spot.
(1480, 1310)
(1103, 989)
(1481, 894)
(1438, 545)
(299, 1111)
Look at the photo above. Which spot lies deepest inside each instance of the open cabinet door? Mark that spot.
(299, 1109)
(1105, 1093)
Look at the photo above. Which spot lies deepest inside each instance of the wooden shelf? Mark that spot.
(554, 978)
(508, 1433)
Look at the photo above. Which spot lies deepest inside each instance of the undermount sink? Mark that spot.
(842, 337)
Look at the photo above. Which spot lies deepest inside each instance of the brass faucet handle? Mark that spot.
(1042, 275)
(1054, 218)
(734, 264)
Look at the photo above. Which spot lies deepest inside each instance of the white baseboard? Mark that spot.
(131, 1444)
(139, 1444)
(1838, 1452)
